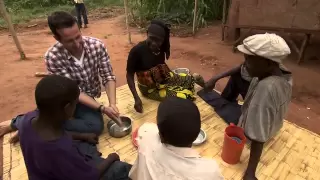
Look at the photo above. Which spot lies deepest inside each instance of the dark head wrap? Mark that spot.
(166, 44)
(157, 30)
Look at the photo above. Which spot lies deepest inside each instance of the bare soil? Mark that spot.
(205, 54)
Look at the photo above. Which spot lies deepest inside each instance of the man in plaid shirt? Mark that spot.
(82, 59)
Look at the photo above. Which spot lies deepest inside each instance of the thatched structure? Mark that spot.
(280, 16)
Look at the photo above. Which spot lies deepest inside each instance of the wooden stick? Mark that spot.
(11, 29)
(288, 39)
(195, 16)
(240, 38)
(41, 74)
(224, 16)
(127, 20)
(303, 47)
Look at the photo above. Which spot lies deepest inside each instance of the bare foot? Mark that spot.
(14, 139)
(5, 128)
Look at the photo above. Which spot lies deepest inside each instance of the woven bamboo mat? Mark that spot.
(293, 154)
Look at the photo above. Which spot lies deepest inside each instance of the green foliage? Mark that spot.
(25, 10)
(176, 11)
(173, 11)
(16, 5)
(103, 3)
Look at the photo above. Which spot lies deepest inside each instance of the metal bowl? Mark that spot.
(118, 132)
(202, 137)
(181, 70)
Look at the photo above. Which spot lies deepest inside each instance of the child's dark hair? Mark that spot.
(54, 92)
(178, 122)
(59, 20)
(166, 44)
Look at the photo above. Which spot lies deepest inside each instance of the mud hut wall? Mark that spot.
(298, 14)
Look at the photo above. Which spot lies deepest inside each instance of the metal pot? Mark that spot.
(181, 70)
(118, 132)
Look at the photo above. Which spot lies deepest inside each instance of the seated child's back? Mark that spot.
(48, 151)
(165, 149)
(56, 159)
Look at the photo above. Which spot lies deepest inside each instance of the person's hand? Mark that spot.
(90, 138)
(113, 157)
(115, 108)
(113, 114)
(15, 139)
(110, 112)
(209, 85)
(138, 105)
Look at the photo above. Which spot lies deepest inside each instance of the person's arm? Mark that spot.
(89, 101)
(107, 76)
(131, 69)
(108, 81)
(226, 74)
(211, 83)
(109, 111)
(137, 101)
(111, 92)
(132, 85)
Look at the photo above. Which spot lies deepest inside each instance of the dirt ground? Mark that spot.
(205, 54)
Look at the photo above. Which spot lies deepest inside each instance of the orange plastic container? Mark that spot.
(233, 144)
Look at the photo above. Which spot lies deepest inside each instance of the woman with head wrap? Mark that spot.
(155, 80)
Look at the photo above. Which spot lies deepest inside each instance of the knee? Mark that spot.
(119, 170)
(122, 167)
(98, 124)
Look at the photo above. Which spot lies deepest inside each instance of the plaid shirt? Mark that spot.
(95, 61)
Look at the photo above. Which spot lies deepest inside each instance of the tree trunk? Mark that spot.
(11, 29)
(195, 11)
(127, 20)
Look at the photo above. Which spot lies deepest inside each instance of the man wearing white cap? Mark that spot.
(269, 93)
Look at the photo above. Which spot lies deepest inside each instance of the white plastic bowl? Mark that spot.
(202, 137)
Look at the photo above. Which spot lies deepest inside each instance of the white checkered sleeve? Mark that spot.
(105, 68)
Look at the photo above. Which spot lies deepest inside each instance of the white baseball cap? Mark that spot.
(269, 46)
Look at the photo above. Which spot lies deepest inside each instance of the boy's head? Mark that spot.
(57, 96)
(263, 53)
(178, 122)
